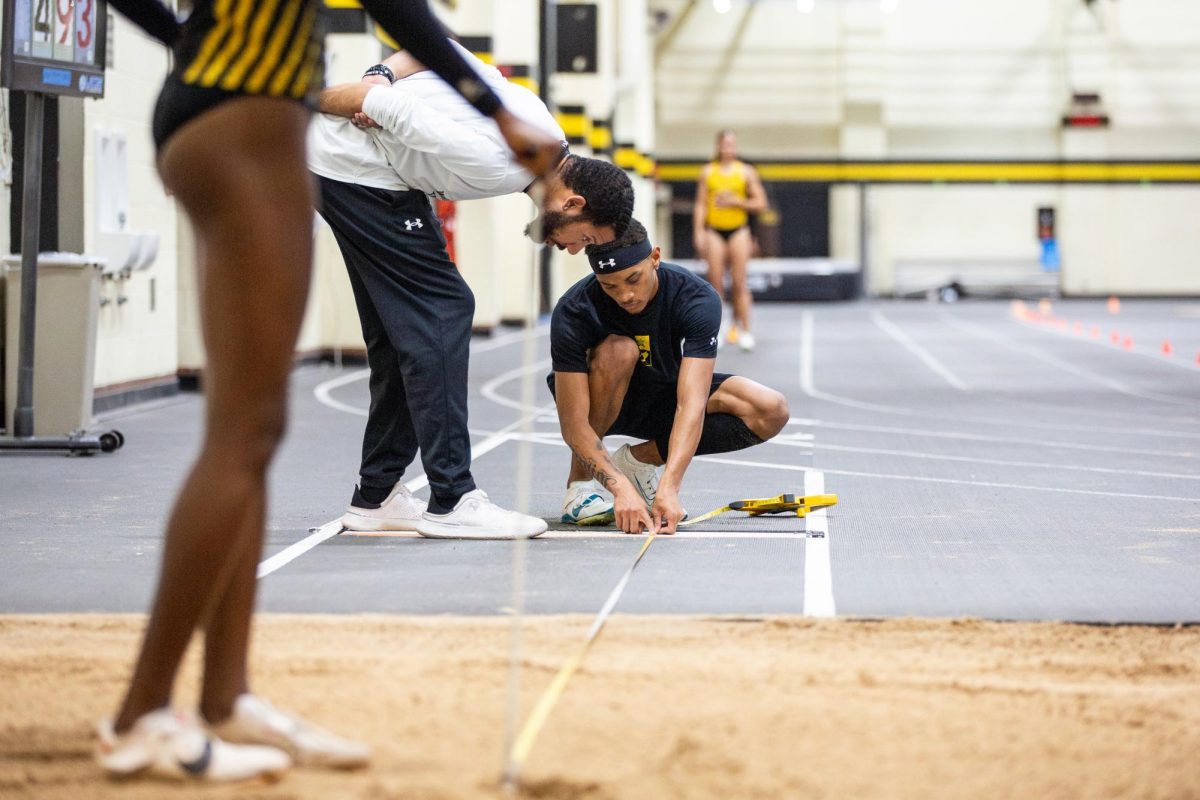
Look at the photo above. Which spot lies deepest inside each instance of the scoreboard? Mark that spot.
(54, 46)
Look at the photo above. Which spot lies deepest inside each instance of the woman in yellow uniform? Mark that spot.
(728, 192)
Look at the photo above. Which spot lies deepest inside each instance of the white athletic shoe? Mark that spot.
(477, 517)
(746, 341)
(399, 512)
(585, 505)
(255, 721)
(644, 477)
(168, 744)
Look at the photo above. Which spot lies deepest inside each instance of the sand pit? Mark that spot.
(665, 707)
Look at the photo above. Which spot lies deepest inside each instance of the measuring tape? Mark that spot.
(523, 744)
(771, 505)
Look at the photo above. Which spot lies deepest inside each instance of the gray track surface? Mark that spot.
(986, 466)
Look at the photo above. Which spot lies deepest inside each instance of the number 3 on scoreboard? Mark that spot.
(83, 36)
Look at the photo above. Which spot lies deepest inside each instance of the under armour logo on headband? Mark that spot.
(609, 259)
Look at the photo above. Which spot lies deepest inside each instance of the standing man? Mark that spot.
(633, 347)
(415, 308)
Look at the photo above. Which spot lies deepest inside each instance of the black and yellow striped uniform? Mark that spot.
(235, 48)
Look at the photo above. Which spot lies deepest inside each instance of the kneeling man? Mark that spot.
(633, 347)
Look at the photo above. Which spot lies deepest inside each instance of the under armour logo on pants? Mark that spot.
(409, 224)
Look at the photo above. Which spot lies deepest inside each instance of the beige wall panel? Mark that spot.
(134, 342)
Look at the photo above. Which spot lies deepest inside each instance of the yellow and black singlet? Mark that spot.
(227, 48)
(272, 48)
(730, 181)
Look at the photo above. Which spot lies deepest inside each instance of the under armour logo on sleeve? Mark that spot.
(609, 264)
(409, 224)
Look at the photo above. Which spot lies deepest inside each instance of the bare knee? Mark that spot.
(768, 413)
(248, 437)
(613, 359)
(775, 413)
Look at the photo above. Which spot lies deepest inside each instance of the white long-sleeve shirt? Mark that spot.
(431, 139)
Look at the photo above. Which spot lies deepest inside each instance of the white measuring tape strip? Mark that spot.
(545, 704)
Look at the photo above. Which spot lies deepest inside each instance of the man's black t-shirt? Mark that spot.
(681, 320)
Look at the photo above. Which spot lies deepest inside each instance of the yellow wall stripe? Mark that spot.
(576, 126)
(600, 138)
(627, 158)
(959, 172)
(211, 40)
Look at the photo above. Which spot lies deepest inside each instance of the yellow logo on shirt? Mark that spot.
(643, 343)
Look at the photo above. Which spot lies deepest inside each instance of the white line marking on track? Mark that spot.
(323, 391)
(289, 554)
(956, 481)
(785, 442)
(584, 533)
(1103, 380)
(556, 441)
(808, 387)
(982, 437)
(920, 352)
(1156, 357)
(489, 389)
(322, 533)
(818, 571)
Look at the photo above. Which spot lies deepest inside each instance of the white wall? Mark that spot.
(134, 342)
(937, 79)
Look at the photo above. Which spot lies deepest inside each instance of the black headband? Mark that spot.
(615, 260)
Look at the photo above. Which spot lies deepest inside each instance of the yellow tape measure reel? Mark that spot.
(782, 504)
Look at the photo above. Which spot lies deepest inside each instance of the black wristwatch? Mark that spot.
(381, 69)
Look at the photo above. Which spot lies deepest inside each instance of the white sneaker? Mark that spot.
(255, 721)
(746, 341)
(168, 744)
(644, 477)
(399, 512)
(585, 505)
(476, 517)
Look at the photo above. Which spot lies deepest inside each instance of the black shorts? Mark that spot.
(727, 234)
(226, 50)
(649, 408)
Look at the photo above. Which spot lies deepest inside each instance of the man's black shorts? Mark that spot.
(649, 408)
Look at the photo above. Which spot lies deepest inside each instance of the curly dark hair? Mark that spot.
(634, 232)
(606, 188)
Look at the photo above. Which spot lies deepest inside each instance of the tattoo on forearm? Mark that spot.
(596, 470)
